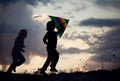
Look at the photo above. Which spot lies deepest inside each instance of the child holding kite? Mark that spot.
(17, 51)
(50, 39)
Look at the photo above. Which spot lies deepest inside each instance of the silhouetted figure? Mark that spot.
(17, 51)
(50, 39)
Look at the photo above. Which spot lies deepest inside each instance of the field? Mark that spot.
(100, 75)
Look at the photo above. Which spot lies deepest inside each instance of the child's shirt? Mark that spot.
(51, 39)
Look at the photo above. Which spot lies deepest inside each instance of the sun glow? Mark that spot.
(78, 43)
(35, 63)
(39, 18)
(66, 63)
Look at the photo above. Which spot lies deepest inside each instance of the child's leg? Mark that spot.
(12, 67)
(46, 64)
(20, 60)
(54, 60)
(9, 69)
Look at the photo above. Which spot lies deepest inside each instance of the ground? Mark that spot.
(100, 75)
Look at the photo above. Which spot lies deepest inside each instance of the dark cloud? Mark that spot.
(106, 47)
(30, 2)
(100, 22)
(71, 50)
(108, 3)
(109, 49)
(53, 2)
(13, 18)
(7, 2)
(45, 2)
(85, 36)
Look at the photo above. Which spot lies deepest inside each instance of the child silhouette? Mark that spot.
(17, 50)
(50, 39)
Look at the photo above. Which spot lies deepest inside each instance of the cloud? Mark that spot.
(7, 2)
(108, 3)
(30, 2)
(109, 49)
(107, 45)
(70, 50)
(45, 2)
(100, 22)
(14, 18)
(53, 2)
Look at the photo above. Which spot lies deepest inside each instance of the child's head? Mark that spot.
(22, 33)
(50, 26)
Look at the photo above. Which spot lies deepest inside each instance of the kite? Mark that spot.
(60, 23)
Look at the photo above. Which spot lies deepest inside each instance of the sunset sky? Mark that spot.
(91, 40)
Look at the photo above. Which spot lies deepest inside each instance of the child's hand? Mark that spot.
(23, 50)
(45, 42)
(23, 46)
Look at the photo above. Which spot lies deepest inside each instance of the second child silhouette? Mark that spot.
(50, 39)
(17, 51)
